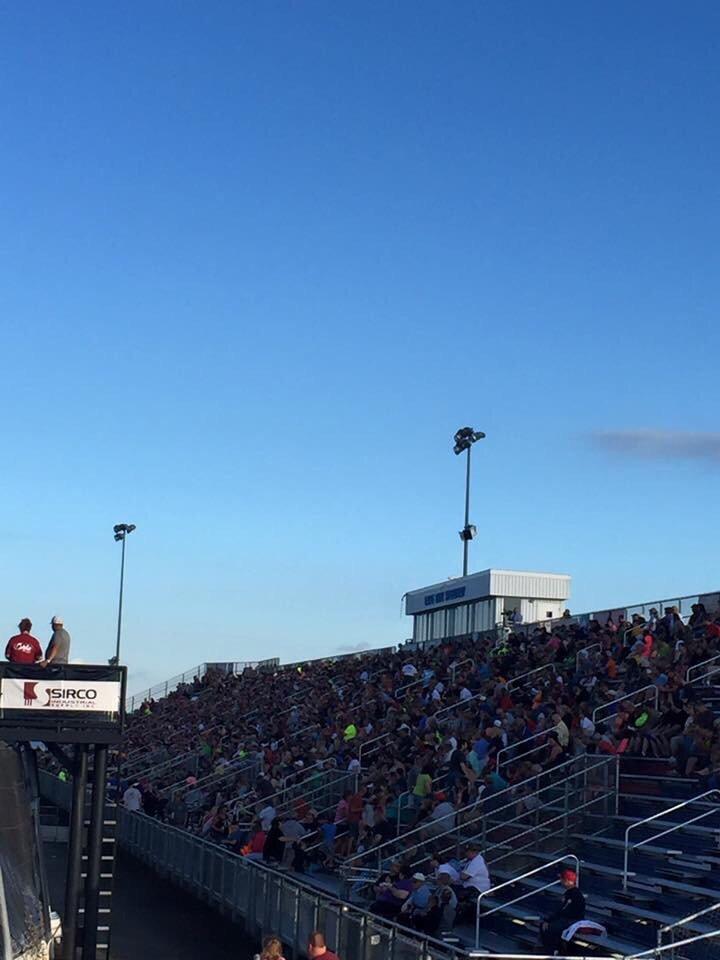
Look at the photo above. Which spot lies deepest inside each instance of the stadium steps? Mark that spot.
(522, 921)
(617, 913)
(647, 883)
(107, 871)
(663, 824)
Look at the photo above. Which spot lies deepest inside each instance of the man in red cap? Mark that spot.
(572, 910)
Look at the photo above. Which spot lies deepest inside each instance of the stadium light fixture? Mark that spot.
(121, 531)
(464, 440)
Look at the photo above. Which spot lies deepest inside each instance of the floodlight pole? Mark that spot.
(120, 601)
(466, 542)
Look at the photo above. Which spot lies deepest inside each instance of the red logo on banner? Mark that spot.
(29, 692)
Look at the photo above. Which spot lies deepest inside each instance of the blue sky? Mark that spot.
(259, 261)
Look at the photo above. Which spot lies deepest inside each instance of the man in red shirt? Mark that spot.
(23, 648)
(317, 949)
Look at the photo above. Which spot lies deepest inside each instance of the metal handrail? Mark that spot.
(654, 951)
(407, 686)
(280, 793)
(514, 681)
(366, 743)
(458, 703)
(409, 793)
(157, 769)
(584, 651)
(626, 609)
(484, 822)
(426, 943)
(298, 773)
(510, 791)
(703, 663)
(658, 816)
(521, 743)
(454, 667)
(232, 769)
(627, 696)
(530, 893)
(690, 918)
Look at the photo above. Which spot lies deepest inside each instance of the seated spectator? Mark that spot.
(474, 876)
(392, 891)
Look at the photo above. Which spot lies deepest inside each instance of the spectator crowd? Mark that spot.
(304, 767)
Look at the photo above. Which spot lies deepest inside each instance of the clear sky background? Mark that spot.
(260, 260)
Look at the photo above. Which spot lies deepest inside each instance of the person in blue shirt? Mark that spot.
(418, 903)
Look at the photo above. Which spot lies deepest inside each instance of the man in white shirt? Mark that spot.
(475, 875)
(267, 815)
(132, 799)
(409, 669)
(465, 694)
(449, 869)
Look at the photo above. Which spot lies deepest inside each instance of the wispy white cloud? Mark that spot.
(353, 647)
(661, 444)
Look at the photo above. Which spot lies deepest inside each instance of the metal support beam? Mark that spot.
(95, 838)
(74, 864)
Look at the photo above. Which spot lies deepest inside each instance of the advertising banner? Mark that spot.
(97, 696)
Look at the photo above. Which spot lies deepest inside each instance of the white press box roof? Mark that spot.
(489, 583)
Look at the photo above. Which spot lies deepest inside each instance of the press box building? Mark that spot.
(471, 604)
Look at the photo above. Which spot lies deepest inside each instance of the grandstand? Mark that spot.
(286, 795)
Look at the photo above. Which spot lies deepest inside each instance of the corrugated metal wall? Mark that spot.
(507, 583)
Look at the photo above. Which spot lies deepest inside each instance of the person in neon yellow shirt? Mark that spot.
(423, 784)
(350, 732)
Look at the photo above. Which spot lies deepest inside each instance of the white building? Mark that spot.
(471, 604)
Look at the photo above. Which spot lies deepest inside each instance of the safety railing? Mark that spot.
(166, 687)
(242, 766)
(674, 932)
(309, 790)
(454, 667)
(301, 774)
(650, 692)
(669, 950)
(513, 757)
(363, 748)
(529, 676)
(458, 705)
(436, 782)
(510, 829)
(704, 670)
(683, 605)
(584, 654)
(628, 847)
(577, 775)
(509, 883)
(266, 900)
(401, 691)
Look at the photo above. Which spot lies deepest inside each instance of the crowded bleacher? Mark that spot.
(317, 767)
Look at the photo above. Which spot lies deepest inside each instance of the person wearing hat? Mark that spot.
(418, 903)
(58, 650)
(572, 910)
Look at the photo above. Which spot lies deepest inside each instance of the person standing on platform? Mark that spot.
(58, 650)
(23, 647)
